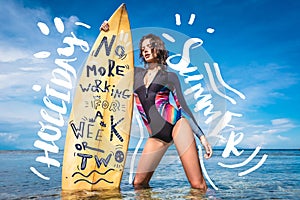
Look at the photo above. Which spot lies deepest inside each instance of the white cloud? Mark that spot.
(280, 126)
(8, 137)
(18, 84)
(21, 38)
(271, 131)
(257, 140)
(19, 112)
(11, 54)
(265, 140)
(259, 133)
(32, 69)
(280, 121)
(19, 41)
(269, 134)
(219, 141)
(282, 138)
(261, 84)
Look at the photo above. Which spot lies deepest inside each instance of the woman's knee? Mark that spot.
(198, 184)
(141, 181)
(137, 181)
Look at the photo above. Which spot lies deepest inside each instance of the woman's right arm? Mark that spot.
(104, 26)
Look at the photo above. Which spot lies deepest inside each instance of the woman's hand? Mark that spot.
(104, 26)
(207, 147)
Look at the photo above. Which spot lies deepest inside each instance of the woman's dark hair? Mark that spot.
(159, 45)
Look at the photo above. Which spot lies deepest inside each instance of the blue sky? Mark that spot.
(256, 44)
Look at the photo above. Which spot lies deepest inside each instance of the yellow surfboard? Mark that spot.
(100, 121)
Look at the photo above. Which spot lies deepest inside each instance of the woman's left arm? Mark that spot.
(182, 105)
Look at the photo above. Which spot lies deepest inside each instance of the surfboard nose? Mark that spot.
(122, 6)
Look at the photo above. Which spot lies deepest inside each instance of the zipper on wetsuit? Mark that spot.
(146, 94)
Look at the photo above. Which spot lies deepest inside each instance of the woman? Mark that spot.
(165, 124)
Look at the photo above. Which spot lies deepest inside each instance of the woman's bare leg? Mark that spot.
(154, 150)
(186, 146)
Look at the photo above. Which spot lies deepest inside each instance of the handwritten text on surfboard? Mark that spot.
(110, 70)
(106, 96)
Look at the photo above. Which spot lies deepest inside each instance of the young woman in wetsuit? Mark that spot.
(165, 124)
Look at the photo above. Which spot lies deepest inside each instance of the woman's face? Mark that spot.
(149, 53)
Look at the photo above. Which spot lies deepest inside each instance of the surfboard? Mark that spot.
(100, 120)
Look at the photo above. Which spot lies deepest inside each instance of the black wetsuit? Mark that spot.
(158, 114)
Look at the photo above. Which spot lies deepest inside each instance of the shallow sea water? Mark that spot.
(277, 178)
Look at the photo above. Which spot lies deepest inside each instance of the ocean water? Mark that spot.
(277, 178)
